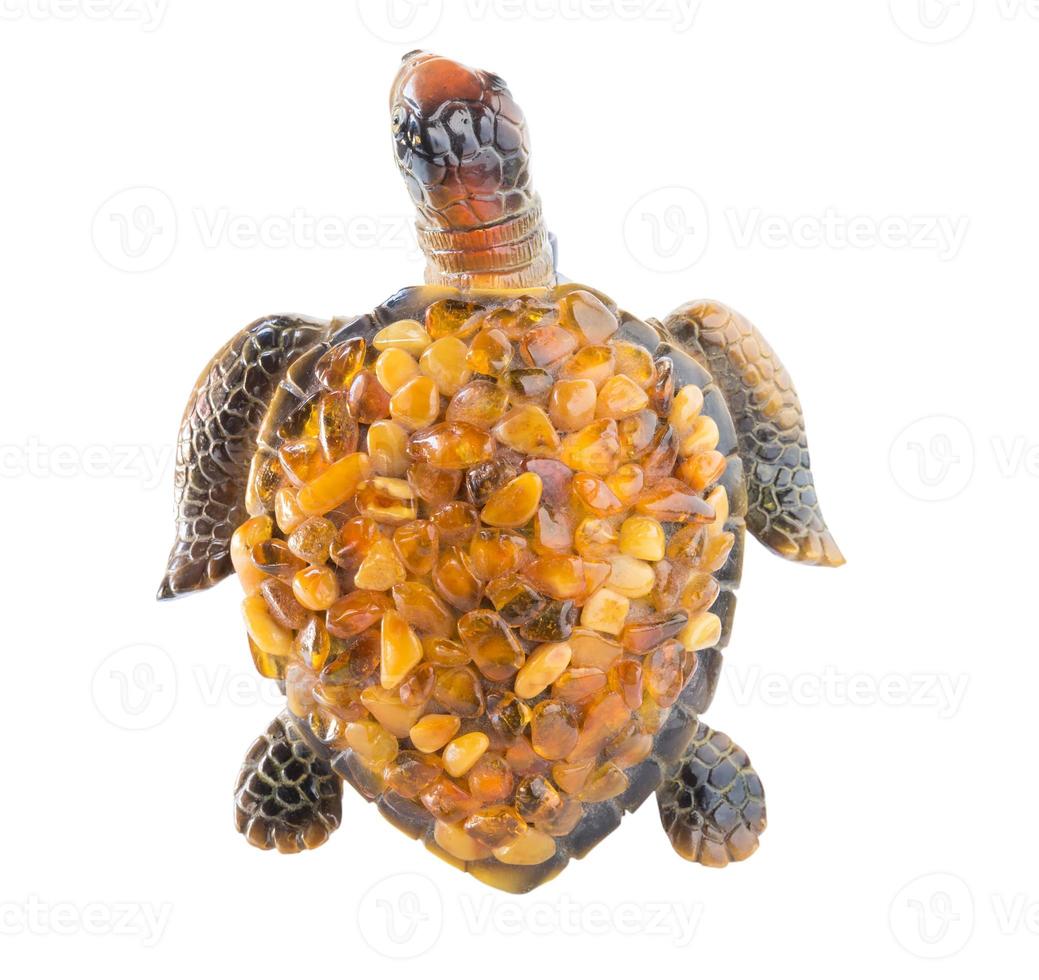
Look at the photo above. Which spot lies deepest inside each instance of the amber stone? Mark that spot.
(302, 459)
(605, 611)
(423, 608)
(559, 576)
(703, 469)
(661, 455)
(456, 522)
(354, 613)
(631, 577)
(484, 479)
(334, 486)
(394, 368)
(592, 449)
(496, 826)
(368, 399)
(490, 352)
(412, 772)
(528, 430)
(387, 500)
(386, 707)
(703, 630)
(571, 776)
(555, 480)
(544, 345)
(480, 403)
(353, 542)
(452, 318)
(315, 587)
(445, 362)
(685, 409)
(595, 538)
(247, 537)
(620, 397)
(451, 445)
(312, 540)
(460, 691)
(596, 496)
(634, 362)
(700, 592)
(593, 363)
(662, 393)
(452, 839)
(265, 476)
(636, 432)
(495, 552)
(454, 579)
(586, 313)
(491, 644)
(447, 801)
(461, 753)
(337, 366)
(406, 335)
(527, 385)
(592, 650)
(519, 317)
(508, 714)
(417, 688)
(603, 783)
(643, 538)
(417, 544)
(273, 557)
(644, 635)
(542, 668)
(579, 684)
(372, 743)
(630, 747)
(602, 721)
(663, 674)
(553, 729)
(554, 623)
(387, 444)
(269, 635)
(571, 405)
(564, 820)
(434, 486)
(442, 652)
(337, 431)
(416, 404)
(433, 732)
(491, 779)
(283, 605)
(269, 665)
(400, 650)
(516, 602)
(673, 500)
(537, 799)
(515, 503)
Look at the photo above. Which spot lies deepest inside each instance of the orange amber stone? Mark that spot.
(644, 635)
(460, 691)
(491, 779)
(433, 732)
(508, 714)
(387, 444)
(703, 469)
(456, 522)
(394, 368)
(480, 403)
(302, 459)
(433, 485)
(528, 430)
(553, 729)
(663, 673)
(444, 653)
(312, 540)
(595, 364)
(461, 753)
(545, 345)
(515, 503)
(604, 783)
(537, 799)
(620, 397)
(579, 684)
(452, 317)
(335, 486)
(400, 650)
(417, 544)
(337, 431)
(283, 605)
(312, 644)
(416, 404)
(368, 399)
(253, 532)
(496, 826)
(571, 405)
(582, 311)
(423, 609)
(496, 553)
(673, 500)
(355, 539)
(337, 366)
(451, 445)
(454, 579)
(381, 569)
(661, 455)
(444, 361)
(634, 362)
(412, 772)
(447, 801)
(592, 449)
(592, 650)
(596, 496)
(627, 482)
(269, 635)
(417, 688)
(354, 613)
(700, 592)
(602, 721)
(315, 587)
(636, 433)
(559, 576)
(387, 500)
(274, 558)
(492, 645)
(490, 352)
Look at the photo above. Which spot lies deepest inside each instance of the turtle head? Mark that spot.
(461, 144)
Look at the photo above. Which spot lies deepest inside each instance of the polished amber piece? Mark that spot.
(454, 579)
(337, 431)
(571, 776)
(595, 538)
(553, 624)
(302, 459)
(394, 368)
(643, 538)
(312, 540)
(620, 397)
(417, 544)
(423, 608)
(434, 486)
(553, 729)
(416, 404)
(515, 503)
(636, 433)
(685, 409)
(630, 577)
(541, 669)
(602, 721)
(372, 743)
(387, 500)
(595, 364)
(605, 611)
(579, 684)
(703, 630)
(630, 747)
(537, 799)
(491, 644)
(702, 438)
(388, 709)
(287, 511)
(555, 480)
(267, 665)
(400, 649)
(490, 779)
(700, 592)
(532, 847)
(445, 363)
(592, 650)
(283, 605)
(480, 403)
(702, 470)
(354, 613)
(461, 754)
(265, 476)
(453, 318)
(496, 826)
(442, 652)
(368, 399)
(482, 480)
(718, 499)
(508, 714)
(582, 311)
(519, 317)
(604, 783)
(353, 542)
(406, 335)
(387, 444)
(523, 759)
(316, 587)
(595, 495)
(460, 691)
(559, 576)
(494, 553)
(673, 500)
(659, 460)
(246, 537)
(453, 839)
(552, 532)
(634, 362)
(645, 634)
(264, 630)
(456, 522)
(490, 352)
(592, 449)
(274, 558)
(663, 674)
(381, 569)
(335, 486)
(662, 394)
(527, 385)
(447, 801)
(528, 430)
(571, 405)
(452, 445)
(337, 366)
(562, 821)
(432, 732)
(547, 344)
(412, 772)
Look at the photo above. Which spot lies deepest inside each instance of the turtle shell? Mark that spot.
(501, 622)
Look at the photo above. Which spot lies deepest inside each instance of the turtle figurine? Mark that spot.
(490, 532)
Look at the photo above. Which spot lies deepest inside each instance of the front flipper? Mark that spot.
(783, 511)
(287, 796)
(217, 442)
(712, 805)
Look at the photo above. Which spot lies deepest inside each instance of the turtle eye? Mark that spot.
(397, 119)
(496, 83)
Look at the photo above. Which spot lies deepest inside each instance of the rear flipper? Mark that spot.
(783, 511)
(712, 805)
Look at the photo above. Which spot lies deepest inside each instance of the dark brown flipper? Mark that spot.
(713, 806)
(287, 795)
(217, 442)
(783, 512)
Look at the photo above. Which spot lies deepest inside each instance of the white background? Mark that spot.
(888, 706)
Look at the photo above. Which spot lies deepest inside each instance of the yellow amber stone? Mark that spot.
(453, 839)
(605, 611)
(559, 576)
(274, 558)
(595, 364)
(630, 576)
(604, 783)
(433, 485)
(411, 772)
(394, 368)
(387, 444)
(316, 587)
(492, 645)
(453, 317)
(592, 449)
(423, 608)
(400, 649)
(456, 522)
(579, 684)
(312, 540)
(381, 569)
(266, 664)
(553, 729)
(459, 690)
(312, 644)
(703, 469)
(460, 754)
(452, 446)
(416, 690)
(302, 459)
(643, 537)
(245, 538)
(407, 335)
(542, 668)
(416, 404)
(595, 538)
(596, 496)
(592, 650)
(287, 511)
(496, 826)
(480, 403)
(443, 652)
(716, 552)
(372, 742)
(490, 353)
(355, 540)
(337, 431)
(368, 400)
(528, 430)
(515, 503)
(627, 482)
(494, 553)
(703, 630)
(571, 405)
(491, 778)
(532, 847)
(432, 732)
(444, 362)
(337, 366)
(354, 613)
(582, 311)
(701, 438)
(417, 544)
(620, 397)
(636, 433)
(388, 709)
(263, 629)
(718, 498)
(387, 500)
(634, 362)
(672, 500)
(685, 409)
(700, 592)
(335, 486)
(547, 344)
(454, 579)
(571, 776)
